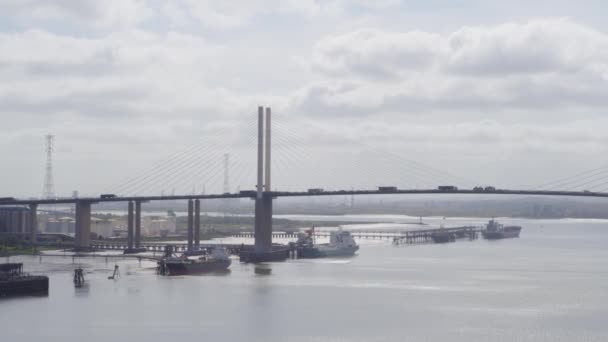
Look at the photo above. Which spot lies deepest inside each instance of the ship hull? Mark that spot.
(443, 237)
(197, 267)
(506, 234)
(313, 252)
(277, 255)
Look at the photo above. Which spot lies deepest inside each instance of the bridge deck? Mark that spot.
(306, 194)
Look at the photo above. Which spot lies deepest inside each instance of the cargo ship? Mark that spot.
(495, 230)
(216, 260)
(341, 244)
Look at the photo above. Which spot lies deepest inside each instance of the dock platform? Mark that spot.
(14, 282)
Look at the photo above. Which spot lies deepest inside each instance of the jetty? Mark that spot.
(398, 237)
(422, 236)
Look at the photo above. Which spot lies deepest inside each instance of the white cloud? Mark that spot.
(375, 53)
(534, 47)
(539, 46)
(102, 14)
(229, 14)
(540, 64)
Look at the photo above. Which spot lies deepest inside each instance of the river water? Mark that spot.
(549, 285)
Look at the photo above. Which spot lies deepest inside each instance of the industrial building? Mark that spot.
(14, 220)
(64, 225)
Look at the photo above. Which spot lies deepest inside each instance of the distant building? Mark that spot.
(103, 227)
(63, 225)
(157, 226)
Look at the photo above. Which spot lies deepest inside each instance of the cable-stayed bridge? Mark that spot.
(201, 172)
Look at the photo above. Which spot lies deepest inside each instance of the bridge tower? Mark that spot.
(263, 200)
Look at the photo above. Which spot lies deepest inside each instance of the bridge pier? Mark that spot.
(33, 223)
(137, 224)
(83, 225)
(130, 226)
(263, 224)
(190, 224)
(197, 223)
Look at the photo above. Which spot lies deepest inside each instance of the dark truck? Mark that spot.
(447, 188)
(482, 189)
(107, 196)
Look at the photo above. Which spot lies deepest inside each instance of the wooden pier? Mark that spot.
(380, 235)
(398, 237)
(232, 248)
(402, 237)
(429, 235)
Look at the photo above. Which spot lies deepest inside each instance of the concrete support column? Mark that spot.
(33, 223)
(267, 237)
(197, 223)
(263, 224)
(137, 224)
(130, 220)
(258, 225)
(190, 224)
(83, 225)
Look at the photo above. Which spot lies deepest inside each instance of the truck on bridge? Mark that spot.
(482, 189)
(447, 188)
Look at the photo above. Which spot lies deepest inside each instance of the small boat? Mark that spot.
(495, 230)
(217, 259)
(341, 244)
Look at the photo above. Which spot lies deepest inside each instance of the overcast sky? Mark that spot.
(509, 93)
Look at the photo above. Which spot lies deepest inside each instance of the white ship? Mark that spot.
(341, 243)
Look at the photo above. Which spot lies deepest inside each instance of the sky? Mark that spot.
(506, 93)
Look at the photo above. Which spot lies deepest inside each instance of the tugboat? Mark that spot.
(216, 260)
(495, 230)
(341, 244)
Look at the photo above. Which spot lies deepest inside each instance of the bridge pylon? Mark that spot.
(83, 225)
(263, 200)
